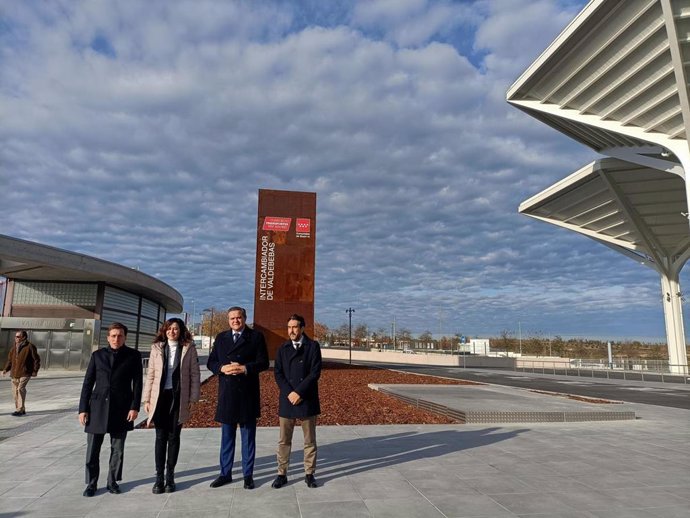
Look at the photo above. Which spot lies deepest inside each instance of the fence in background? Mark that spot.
(625, 369)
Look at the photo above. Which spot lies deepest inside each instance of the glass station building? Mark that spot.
(66, 301)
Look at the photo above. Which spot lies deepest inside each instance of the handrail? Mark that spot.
(576, 368)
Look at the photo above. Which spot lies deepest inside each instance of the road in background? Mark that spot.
(650, 393)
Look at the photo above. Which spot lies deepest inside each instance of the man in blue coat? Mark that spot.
(237, 358)
(297, 370)
(109, 403)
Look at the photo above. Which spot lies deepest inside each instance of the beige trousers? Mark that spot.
(19, 392)
(287, 427)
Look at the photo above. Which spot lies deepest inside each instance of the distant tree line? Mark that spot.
(538, 344)
(532, 344)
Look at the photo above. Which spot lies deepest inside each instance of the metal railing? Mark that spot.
(635, 370)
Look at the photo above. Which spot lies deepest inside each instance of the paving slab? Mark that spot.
(607, 469)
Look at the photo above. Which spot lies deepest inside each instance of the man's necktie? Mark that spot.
(235, 337)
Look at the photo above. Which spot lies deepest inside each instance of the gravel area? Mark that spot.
(345, 398)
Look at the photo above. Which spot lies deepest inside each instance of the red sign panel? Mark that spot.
(303, 226)
(277, 224)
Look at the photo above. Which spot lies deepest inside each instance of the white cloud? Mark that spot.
(410, 23)
(152, 154)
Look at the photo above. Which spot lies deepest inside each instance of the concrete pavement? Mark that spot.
(611, 469)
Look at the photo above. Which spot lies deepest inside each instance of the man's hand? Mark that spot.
(132, 415)
(83, 418)
(233, 369)
(147, 407)
(294, 398)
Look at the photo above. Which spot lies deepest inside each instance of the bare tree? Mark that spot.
(506, 340)
(220, 323)
(320, 331)
(359, 334)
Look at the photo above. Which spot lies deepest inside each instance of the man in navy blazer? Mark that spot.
(237, 358)
(297, 370)
(109, 403)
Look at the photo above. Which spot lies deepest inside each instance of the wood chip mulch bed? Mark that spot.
(345, 398)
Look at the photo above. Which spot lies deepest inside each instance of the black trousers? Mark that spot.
(167, 448)
(94, 442)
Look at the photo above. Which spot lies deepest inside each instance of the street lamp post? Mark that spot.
(393, 335)
(193, 315)
(350, 311)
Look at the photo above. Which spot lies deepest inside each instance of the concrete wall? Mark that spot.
(542, 362)
(418, 359)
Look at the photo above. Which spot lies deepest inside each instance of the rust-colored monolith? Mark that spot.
(285, 263)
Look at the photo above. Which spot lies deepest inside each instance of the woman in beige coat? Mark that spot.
(172, 385)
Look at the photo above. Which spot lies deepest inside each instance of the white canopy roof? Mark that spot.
(635, 209)
(616, 79)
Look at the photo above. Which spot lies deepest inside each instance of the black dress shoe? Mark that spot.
(221, 480)
(279, 482)
(170, 486)
(90, 490)
(248, 482)
(310, 481)
(114, 489)
(17, 413)
(158, 486)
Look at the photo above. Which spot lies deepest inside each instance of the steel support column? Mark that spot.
(673, 317)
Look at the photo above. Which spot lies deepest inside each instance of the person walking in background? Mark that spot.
(297, 370)
(109, 403)
(237, 357)
(172, 385)
(22, 363)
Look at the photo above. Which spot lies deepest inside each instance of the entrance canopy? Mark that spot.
(616, 80)
(634, 209)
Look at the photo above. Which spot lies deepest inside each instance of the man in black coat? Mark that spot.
(109, 403)
(297, 370)
(237, 358)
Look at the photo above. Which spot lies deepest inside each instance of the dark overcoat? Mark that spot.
(239, 397)
(298, 370)
(112, 387)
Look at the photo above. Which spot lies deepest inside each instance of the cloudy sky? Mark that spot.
(140, 133)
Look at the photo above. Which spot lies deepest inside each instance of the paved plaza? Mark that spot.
(611, 469)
